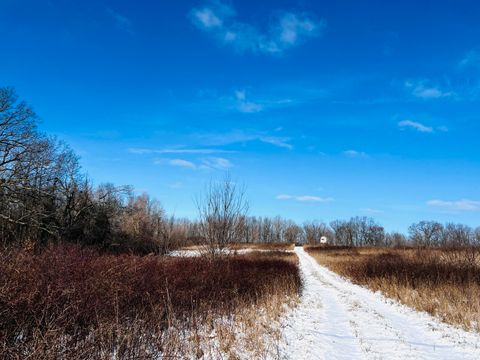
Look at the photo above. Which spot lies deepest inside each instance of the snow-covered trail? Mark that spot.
(339, 320)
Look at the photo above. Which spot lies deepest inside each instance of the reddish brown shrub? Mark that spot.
(70, 291)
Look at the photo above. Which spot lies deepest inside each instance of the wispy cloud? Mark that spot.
(469, 68)
(141, 151)
(355, 154)
(276, 141)
(470, 60)
(287, 30)
(207, 143)
(459, 205)
(422, 89)
(182, 163)
(371, 211)
(242, 101)
(245, 106)
(122, 22)
(303, 198)
(216, 163)
(415, 125)
(209, 18)
(240, 136)
(420, 127)
(208, 163)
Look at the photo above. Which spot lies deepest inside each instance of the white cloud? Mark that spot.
(246, 101)
(291, 27)
(207, 18)
(459, 205)
(141, 151)
(241, 95)
(421, 127)
(208, 163)
(431, 92)
(303, 198)
(249, 107)
(423, 90)
(286, 30)
(216, 163)
(245, 106)
(355, 154)
(276, 141)
(182, 163)
(241, 101)
(415, 125)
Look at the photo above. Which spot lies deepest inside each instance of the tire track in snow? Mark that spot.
(338, 320)
(311, 332)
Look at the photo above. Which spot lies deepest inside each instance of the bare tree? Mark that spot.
(314, 230)
(344, 232)
(457, 235)
(426, 233)
(476, 239)
(293, 233)
(222, 210)
(395, 239)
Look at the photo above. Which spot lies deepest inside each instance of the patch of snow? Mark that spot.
(194, 253)
(336, 319)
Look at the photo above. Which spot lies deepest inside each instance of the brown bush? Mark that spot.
(66, 294)
(329, 247)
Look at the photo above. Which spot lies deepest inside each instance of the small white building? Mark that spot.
(323, 240)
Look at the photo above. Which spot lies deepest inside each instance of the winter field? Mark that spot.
(259, 302)
(336, 319)
(239, 180)
(98, 271)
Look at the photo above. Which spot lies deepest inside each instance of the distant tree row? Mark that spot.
(358, 231)
(45, 198)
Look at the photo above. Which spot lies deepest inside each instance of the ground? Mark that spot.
(338, 320)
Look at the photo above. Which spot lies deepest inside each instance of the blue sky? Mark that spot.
(323, 109)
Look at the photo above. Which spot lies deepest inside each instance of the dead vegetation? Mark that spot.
(443, 282)
(74, 303)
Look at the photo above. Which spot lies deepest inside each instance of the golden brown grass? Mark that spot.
(442, 282)
(75, 303)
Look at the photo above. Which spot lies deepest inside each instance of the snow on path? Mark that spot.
(339, 320)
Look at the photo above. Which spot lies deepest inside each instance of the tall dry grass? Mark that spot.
(73, 303)
(442, 282)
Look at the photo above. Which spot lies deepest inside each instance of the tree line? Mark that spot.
(45, 198)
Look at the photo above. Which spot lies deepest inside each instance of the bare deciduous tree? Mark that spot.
(222, 210)
(426, 233)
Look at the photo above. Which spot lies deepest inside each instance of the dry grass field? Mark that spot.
(442, 282)
(74, 303)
